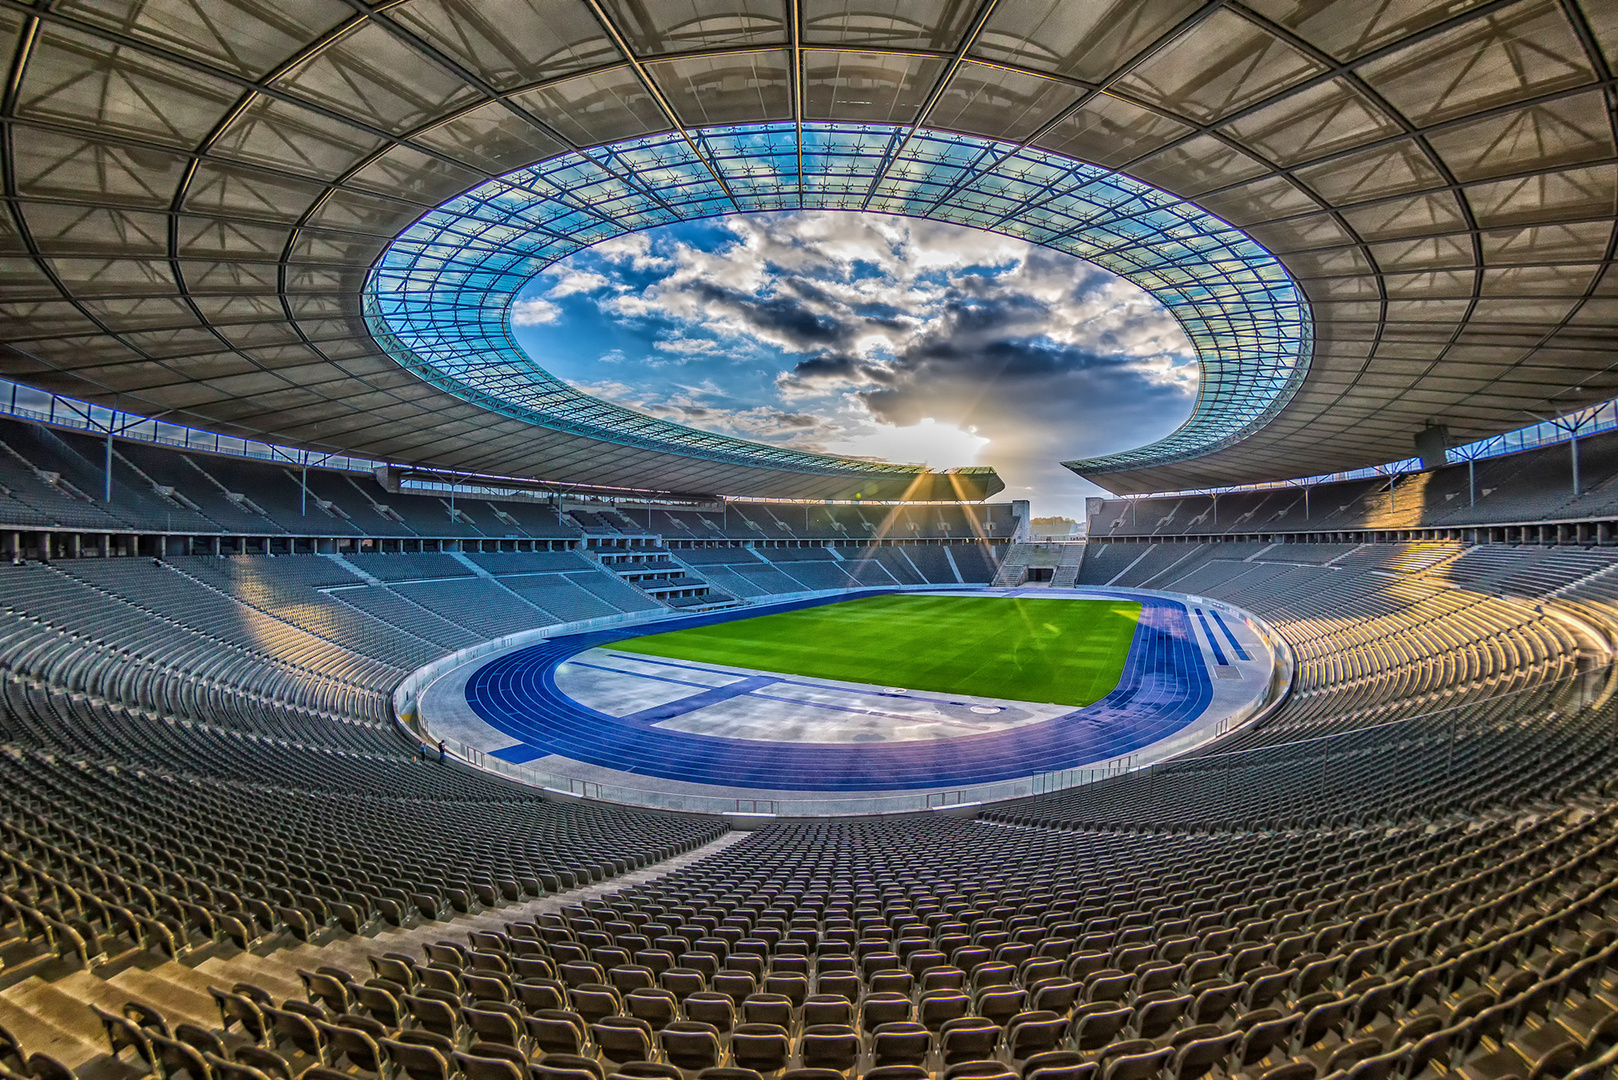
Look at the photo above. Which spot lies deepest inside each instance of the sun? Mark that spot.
(928, 442)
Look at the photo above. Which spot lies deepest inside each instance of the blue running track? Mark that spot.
(1164, 687)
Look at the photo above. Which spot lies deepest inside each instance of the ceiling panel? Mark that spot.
(1439, 177)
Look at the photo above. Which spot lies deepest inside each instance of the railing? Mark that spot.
(1066, 779)
(722, 805)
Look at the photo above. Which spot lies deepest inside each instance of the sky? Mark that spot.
(870, 335)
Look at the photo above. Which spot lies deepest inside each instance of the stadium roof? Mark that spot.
(199, 192)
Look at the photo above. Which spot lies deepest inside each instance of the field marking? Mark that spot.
(788, 720)
(819, 709)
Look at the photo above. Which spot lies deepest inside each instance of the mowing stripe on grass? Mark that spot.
(1068, 652)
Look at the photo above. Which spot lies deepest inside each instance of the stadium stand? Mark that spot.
(215, 834)
(193, 502)
(975, 562)
(1267, 903)
(1493, 498)
(222, 857)
(1406, 865)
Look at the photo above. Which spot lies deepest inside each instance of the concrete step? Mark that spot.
(90, 989)
(260, 971)
(49, 1020)
(174, 997)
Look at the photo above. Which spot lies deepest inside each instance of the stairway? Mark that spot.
(1014, 567)
(1068, 566)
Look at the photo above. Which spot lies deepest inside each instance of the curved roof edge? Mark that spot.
(438, 299)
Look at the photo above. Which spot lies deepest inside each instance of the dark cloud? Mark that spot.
(983, 342)
(1047, 357)
(1037, 400)
(1039, 409)
(826, 366)
(785, 318)
(757, 422)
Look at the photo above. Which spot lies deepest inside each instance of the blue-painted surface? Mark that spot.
(1164, 687)
(1234, 644)
(1213, 642)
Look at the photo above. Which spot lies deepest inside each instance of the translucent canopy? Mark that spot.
(196, 192)
(439, 297)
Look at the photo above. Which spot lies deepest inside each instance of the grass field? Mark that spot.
(1069, 652)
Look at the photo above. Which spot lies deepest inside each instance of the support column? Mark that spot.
(1573, 445)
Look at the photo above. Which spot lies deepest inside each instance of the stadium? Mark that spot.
(385, 695)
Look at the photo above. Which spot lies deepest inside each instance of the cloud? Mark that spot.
(801, 430)
(573, 282)
(688, 346)
(854, 333)
(632, 249)
(534, 312)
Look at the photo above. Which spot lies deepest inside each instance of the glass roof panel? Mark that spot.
(379, 80)
(510, 42)
(244, 36)
(1198, 165)
(597, 108)
(1082, 41)
(874, 87)
(681, 25)
(1565, 131)
(223, 189)
(438, 297)
(491, 137)
(1222, 64)
(1111, 131)
(1569, 195)
(999, 102)
(409, 173)
(64, 228)
(87, 82)
(1603, 22)
(735, 88)
(1419, 215)
(1393, 169)
(1354, 29)
(288, 136)
(932, 25)
(1526, 49)
(49, 163)
(1312, 123)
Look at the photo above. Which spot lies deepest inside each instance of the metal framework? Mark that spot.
(195, 190)
(439, 297)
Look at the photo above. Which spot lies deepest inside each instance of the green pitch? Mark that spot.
(1070, 652)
